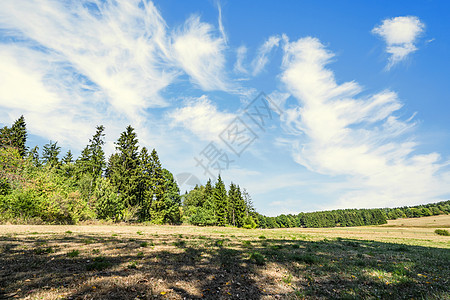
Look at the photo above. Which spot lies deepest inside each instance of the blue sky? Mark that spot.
(357, 91)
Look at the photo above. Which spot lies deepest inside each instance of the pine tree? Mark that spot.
(33, 156)
(172, 199)
(92, 159)
(239, 208)
(82, 163)
(19, 135)
(68, 158)
(221, 202)
(145, 185)
(68, 168)
(209, 190)
(123, 168)
(50, 154)
(158, 189)
(97, 159)
(5, 137)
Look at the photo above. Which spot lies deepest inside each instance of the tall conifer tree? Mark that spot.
(19, 135)
(220, 199)
(123, 169)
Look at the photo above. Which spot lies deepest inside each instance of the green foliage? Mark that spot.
(19, 136)
(236, 206)
(47, 250)
(343, 218)
(73, 253)
(109, 204)
(442, 232)
(39, 192)
(418, 211)
(220, 202)
(249, 223)
(15, 137)
(123, 170)
(50, 154)
(99, 263)
(133, 186)
(203, 217)
(257, 258)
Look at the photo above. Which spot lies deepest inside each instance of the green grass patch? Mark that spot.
(257, 258)
(44, 250)
(442, 232)
(73, 253)
(180, 244)
(98, 263)
(306, 258)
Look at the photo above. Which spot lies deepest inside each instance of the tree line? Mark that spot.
(132, 185)
(334, 218)
(211, 205)
(353, 217)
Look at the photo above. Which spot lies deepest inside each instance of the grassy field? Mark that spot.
(404, 259)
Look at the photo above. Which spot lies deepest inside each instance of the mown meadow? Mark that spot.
(187, 262)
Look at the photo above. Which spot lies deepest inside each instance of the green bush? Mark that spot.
(109, 204)
(249, 223)
(442, 232)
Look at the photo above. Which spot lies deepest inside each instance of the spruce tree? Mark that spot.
(5, 137)
(239, 208)
(19, 135)
(82, 163)
(158, 189)
(220, 201)
(232, 201)
(97, 159)
(33, 156)
(123, 168)
(172, 199)
(145, 185)
(50, 154)
(68, 168)
(68, 158)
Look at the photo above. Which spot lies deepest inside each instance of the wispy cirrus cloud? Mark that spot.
(102, 61)
(262, 57)
(399, 34)
(200, 54)
(241, 52)
(357, 137)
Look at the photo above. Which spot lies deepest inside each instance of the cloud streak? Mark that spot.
(359, 138)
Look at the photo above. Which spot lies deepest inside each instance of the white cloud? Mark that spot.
(119, 48)
(356, 137)
(240, 56)
(71, 66)
(399, 33)
(200, 55)
(262, 58)
(202, 118)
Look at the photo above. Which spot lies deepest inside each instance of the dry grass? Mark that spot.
(441, 221)
(186, 262)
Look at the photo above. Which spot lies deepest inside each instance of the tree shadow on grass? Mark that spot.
(206, 268)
